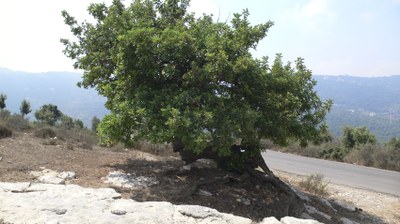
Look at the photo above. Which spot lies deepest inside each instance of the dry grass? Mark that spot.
(314, 184)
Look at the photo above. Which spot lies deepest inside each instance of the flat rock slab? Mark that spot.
(48, 176)
(49, 203)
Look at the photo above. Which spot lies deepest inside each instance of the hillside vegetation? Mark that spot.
(359, 101)
(370, 102)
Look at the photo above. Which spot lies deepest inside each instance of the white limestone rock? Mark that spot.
(50, 203)
(120, 179)
(48, 176)
(291, 220)
(270, 220)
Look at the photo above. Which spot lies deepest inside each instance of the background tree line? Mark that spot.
(46, 115)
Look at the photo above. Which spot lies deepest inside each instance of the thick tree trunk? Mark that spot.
(249, 167)
(189, 156)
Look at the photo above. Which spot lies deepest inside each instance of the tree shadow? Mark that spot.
(237, 194)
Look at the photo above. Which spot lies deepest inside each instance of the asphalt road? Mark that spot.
(383, 181)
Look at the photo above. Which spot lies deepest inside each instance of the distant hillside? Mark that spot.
(360, 101)
(371, 102)
(57, 88)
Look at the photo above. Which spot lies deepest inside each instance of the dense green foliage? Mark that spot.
(25, 108)
(69, 123)
(394, 144)
(356, 136)
(3, 98)
(48, 114)
(382, 126)
(167, 74)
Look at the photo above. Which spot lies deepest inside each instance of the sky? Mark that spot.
(335, 37)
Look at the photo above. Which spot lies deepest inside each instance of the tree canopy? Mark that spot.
(25, 108)
(357, 136)
(48, 114)
(3, 99)
(168, 74)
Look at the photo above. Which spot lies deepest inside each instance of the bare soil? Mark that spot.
(204, 184)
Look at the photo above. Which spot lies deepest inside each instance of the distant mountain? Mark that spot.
(371, 102)
(359, 101)
(58, 88)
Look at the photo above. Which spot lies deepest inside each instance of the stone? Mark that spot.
(291, 220)
(51, 203)
(120, 179)
(67, 175)
(59, 211)
(244, 201)
(346, 205)
(270, 220)
(200, 214)
(204, 193)
(313, 210)
(347, 221)
(53, 177)
(118, 212)
(327, 203)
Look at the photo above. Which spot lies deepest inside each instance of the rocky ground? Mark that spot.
(146, 177)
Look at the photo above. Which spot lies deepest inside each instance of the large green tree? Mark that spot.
(169, 75)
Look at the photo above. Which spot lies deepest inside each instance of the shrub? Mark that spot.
(5, 132)
(45, 133)
(4, 114)
(82, 136)
(268, 144)
(333, 151)
(362, 155)
(376, 156)
(394, 143)
(17, 122)
(314, 184)
(155, 149)
(50, 141)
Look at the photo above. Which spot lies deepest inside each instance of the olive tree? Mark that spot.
(170, 76)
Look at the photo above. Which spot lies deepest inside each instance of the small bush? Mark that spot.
(50, 141)
(268, 144)
(5, 132)
(314, 184)
(155, 149)
(333, 151)
(45, 133)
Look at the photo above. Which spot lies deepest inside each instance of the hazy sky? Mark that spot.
(336, 37)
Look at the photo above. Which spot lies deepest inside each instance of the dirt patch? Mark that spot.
(204, 184)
